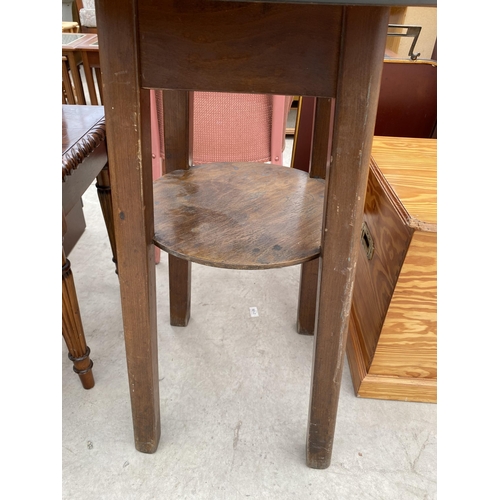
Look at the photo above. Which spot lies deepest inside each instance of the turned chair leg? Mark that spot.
(72, 328)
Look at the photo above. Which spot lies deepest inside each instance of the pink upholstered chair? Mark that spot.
(228, 127)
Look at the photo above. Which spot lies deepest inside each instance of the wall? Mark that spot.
(427, 18)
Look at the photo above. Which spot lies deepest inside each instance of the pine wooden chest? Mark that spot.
(392, 346)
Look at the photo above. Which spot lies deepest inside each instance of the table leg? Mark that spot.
(178, 140)
(308, 291)
(104, 192)
(72, 328)
(356, 105)
(132, 187)
(179, 279)
(321, 117)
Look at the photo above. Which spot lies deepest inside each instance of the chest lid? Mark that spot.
(408, 169)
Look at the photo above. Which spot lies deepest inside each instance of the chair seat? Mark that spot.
(239, 215)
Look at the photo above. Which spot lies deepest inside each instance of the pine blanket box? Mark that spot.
(392, 344)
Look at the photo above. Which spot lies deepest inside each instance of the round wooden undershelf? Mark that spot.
(239, 215)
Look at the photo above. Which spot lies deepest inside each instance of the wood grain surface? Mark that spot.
(409, 166)
(392, 348)
(377, 277)
(366, 385)
(252, 47)
(239, 215)
(408, 342)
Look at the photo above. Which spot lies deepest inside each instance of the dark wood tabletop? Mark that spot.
(83, 129)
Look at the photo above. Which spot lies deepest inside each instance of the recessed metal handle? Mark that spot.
(367, 241)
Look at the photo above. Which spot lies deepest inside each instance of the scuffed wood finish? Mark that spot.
(393, 347)
(252, 48)
(239, 215)
(129, 149)
(355, 111)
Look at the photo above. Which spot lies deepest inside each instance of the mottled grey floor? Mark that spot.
(234, 395)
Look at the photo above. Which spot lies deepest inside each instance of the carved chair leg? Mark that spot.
(180, 290)
(72, 328)
(306, 311)
(104, 193)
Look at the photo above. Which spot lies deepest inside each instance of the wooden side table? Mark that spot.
(325, 49)
(84, 158)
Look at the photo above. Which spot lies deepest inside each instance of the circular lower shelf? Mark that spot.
(239, 215)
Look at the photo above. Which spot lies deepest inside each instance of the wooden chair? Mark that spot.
(238, 215)
(227, 127)
(233, 127)
(68, 91)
